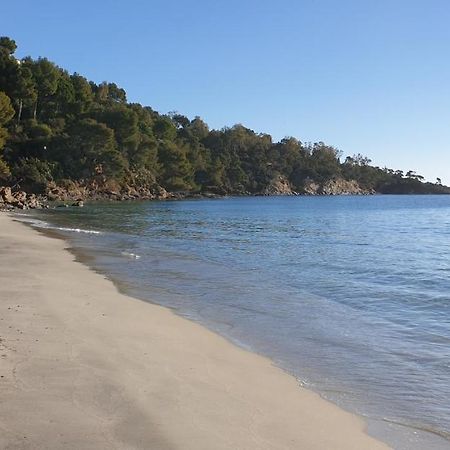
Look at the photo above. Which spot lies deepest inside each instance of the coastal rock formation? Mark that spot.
(337, 186)
(78, 192)
(279, 186)
(19, 199)
(311, 188)
(6, 195)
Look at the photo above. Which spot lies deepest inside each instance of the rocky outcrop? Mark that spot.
(19, 200)
(340, 186)
(337, 186)
(77, 192)
(311, 188)
(279, 186)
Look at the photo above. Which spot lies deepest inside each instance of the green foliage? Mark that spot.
(45, 75)
(91, 150)
(7, 45)
(6, 109)
(176, 170)
(164, 128)
(9, 68)
(39, 130)
(6, 114)
(83, 94)
(62, 128)
(4, 170)
(109, 93)
(34, 173)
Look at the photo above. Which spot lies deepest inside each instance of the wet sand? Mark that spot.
(85, 367)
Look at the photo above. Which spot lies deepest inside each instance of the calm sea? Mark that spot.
(349, 294)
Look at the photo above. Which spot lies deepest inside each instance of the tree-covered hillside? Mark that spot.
(58, 128)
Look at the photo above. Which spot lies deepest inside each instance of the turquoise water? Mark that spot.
(350, 294)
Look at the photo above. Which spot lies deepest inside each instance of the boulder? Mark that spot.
(20, 196)
(20, 199)
(33, 202)
(279, 186)
(6, 194)
(311, 187)
(339, 186)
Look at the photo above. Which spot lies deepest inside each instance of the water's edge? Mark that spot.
(395, 434)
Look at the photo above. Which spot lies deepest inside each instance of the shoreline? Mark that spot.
(106, 370)
(21, 200)
(390, 432)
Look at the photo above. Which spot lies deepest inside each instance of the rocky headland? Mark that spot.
(75, 194)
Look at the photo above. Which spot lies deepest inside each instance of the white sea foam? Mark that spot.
(35, 222)
(76, 230)
(42, 224)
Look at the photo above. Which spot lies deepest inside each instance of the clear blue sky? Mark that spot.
(369, 76)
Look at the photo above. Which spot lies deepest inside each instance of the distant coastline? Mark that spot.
(76, 194)
(65, 138)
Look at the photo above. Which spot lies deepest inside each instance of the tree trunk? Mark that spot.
(35, 109)
(19, 114)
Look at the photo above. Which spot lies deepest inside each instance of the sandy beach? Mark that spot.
(85, 367)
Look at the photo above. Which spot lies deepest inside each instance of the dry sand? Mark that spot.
(85, 367)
